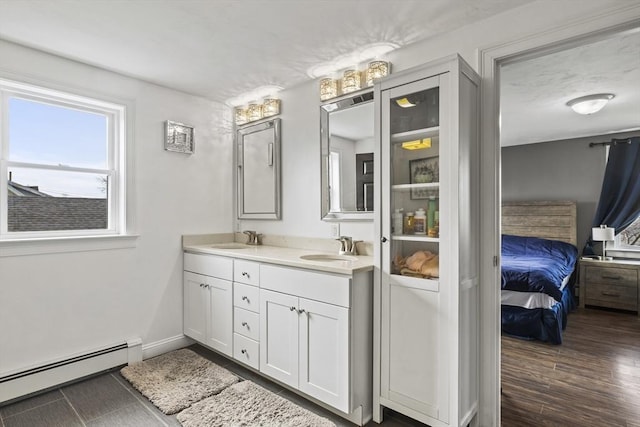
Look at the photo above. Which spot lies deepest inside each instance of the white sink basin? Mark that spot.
(328, 257)
(231, 245)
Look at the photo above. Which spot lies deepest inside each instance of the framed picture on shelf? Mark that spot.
(179, 137)
(423, 171)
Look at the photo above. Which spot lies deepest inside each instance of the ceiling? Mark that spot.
(221, 49)
(534, 92)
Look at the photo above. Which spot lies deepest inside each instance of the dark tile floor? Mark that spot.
(108, 400)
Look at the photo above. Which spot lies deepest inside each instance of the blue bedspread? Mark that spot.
(531, 264)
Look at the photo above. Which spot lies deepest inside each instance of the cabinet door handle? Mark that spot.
(612, 277)
(245, 324)
(292, 309)
(245, 274)
(383, 239)
(243, 351)
(202, 285)
(610, 294)
(301, 311)
(245, 298)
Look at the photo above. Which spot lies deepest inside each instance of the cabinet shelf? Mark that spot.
(415, 134)
(415, 238)
(422, 186)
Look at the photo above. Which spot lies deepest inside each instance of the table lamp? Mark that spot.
(603, 234)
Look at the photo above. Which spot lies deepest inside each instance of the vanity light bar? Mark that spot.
(255, 111)
(418, 144)
(352, 79)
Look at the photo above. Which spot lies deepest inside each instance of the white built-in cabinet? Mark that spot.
(426, 320)
(309, 330)
(208, 313)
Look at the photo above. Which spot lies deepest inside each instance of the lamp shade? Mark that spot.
(603, 234)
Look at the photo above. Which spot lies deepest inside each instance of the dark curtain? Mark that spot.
(619, 203)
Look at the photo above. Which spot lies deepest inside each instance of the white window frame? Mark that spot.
(116, 168)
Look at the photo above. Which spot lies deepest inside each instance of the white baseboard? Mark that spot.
(15, 385)
(164, 346)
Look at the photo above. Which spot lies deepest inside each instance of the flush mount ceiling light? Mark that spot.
(591, 103)
(418, 144)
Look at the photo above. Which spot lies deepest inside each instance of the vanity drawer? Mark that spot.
(246, 272)
(613, 276)
(246, 323)
(246, 296)
(246, 350)
(324, 287)
(209, 265)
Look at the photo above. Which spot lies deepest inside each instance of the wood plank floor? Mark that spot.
(591, 379)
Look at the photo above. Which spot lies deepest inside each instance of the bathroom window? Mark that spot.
(62, 164)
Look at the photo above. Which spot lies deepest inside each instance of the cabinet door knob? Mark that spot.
(245, 324)
(243, 351)
(292, 309)
(202, 285)
(383, 239)
(245, 274)
(301, 311)
(245, 298)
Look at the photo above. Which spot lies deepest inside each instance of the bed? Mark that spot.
(538, 270)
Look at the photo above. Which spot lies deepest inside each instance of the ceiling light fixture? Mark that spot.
(418, 144)
(591, 103)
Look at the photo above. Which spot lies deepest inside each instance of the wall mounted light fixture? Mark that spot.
(352, 79)
(256, 111)
(591, 103)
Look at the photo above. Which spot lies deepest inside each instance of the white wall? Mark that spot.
(300, 107)
(54, 305)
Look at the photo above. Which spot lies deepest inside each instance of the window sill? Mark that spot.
(624, 253)
(21, 247)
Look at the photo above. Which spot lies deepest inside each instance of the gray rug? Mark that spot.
(248, 404)
(175, 380)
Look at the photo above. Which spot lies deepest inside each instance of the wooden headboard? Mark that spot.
(554, 220)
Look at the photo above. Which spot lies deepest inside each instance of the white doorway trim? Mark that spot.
(489, 61)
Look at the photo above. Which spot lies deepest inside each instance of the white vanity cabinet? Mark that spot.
(426, 312)
(208, 313)
(309, 329)
(315, 335)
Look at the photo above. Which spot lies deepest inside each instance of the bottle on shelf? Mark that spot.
(397, 223)
(420, 222)
(408, 223)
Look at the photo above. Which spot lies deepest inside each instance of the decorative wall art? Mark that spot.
(179, 137)
(424, 171)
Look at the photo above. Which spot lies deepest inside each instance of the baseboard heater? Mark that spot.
(18, 384)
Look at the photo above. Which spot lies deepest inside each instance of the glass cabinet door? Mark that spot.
(411, 142)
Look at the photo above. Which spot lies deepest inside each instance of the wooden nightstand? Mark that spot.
(612, 284)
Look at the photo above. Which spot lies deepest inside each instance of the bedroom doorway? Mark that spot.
(491, 61)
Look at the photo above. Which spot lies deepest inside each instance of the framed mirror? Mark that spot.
(258, 162)
(347, 145)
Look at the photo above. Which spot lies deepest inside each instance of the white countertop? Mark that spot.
(287, 256)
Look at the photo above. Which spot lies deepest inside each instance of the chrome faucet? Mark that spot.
(253, 238)
(348, 245)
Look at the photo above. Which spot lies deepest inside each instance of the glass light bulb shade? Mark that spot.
(328, 88)
(254, 112)
(591, 103)
(241, 116)
(350, 81)
(270, 107)
(376, 70)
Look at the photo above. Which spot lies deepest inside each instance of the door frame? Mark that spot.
(489, 61)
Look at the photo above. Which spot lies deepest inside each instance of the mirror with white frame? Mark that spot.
(347, 145)
(258, 163)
